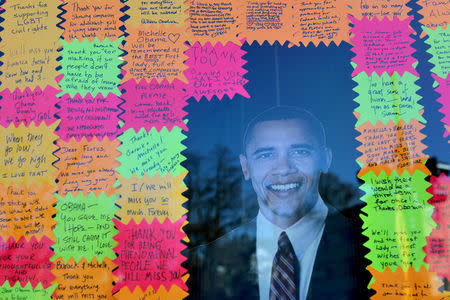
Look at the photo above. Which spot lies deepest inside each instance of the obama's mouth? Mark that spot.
(283, 187)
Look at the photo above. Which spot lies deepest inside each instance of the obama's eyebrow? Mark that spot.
(302, 146)
(263, 149)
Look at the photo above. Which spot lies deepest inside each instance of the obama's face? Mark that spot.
(284, 160)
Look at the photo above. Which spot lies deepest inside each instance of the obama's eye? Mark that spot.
(265, 155)
(302, 152)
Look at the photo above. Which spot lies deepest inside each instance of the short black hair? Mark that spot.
(277, 113)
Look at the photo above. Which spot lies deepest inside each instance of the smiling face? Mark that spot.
(284, 160)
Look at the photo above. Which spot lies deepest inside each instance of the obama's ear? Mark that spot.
(328, 156)
(244, 166)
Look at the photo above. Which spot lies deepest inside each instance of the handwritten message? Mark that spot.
(87, 166)
(321, 21)
(440, 189)
(175, 292)
(213, 21)
(150, 255)
(267, 21)
(153, 104)
(27, 106)
(26, 154)
(26, 261)
(91, 19)
(83, 280)
(89, 117)
(382, 46)
(155, 52)
(151, 152)
(27, 211)
(387, 98)
(439, 49)
(30, 64)
(438, 251)
(165, 12)
(90, 67)
(381, 9)
(435, 13)
(215, 71)
(16, 291)
(410, 284)
(391, 147)
(444, 90)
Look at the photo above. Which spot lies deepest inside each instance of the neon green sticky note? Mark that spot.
(151, 152)
(27, 292)
(85, 227)
(398, 219)
(90, 67)
(383, 98)
(439, 49)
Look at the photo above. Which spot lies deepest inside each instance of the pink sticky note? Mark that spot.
(437, 251)
(89, 117)
(382, 45)
(149, 254)
(215, 71)
(27, 106)
(153, 104)
(440, 189)
(26, 261)
(444, 90)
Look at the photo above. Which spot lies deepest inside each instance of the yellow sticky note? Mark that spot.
(157, 13)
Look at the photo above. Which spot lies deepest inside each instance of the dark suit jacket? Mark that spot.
(227, 269)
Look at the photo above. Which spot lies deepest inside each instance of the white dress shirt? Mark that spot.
(305, 236)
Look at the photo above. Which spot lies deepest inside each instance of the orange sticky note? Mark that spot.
(29, 43)
(435, 13)
(321, 21)
(264, 20)
(381, 9)
(91, 19)
(155, 52)
(157, 13)
(87, 166)
(400, 285)
(389, 147)
(213, 21)
(26, 154)
(83, 280)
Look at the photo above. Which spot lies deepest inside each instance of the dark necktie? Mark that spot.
(285, 271)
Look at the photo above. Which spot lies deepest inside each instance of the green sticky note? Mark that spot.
(90, 67)
(398, 219)
(27, 292)
(151, 152)
(85, 227)
(439, 49)
(387, 98)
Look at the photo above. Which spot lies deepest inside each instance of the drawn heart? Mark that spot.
(173, 37)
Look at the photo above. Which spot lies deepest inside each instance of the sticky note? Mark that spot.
(151, 152)
(27, 106)
(269, 21)
(382, 46)
(215, 71)
(26, 261)
(148, 198)
(411, 284)
(381, 9)
(30, 64)
(8, 292)
(438, 251)
(27, 211)
(439, 50)
(84, 227)
(83, 280)
(320, 21)
(90, 67)
(175, 292)
(440, 189)
(89, 117)
(156, 13)
(153, 104)
(155, 52)
(91, 19)
(213, 21)
(444, 90)
(387, 98)
(392, 146)
(435, 13)
(26, 154)
(87, 166)
(149, 255)
(401, 202)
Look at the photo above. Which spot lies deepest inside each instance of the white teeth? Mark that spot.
(283, 187)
